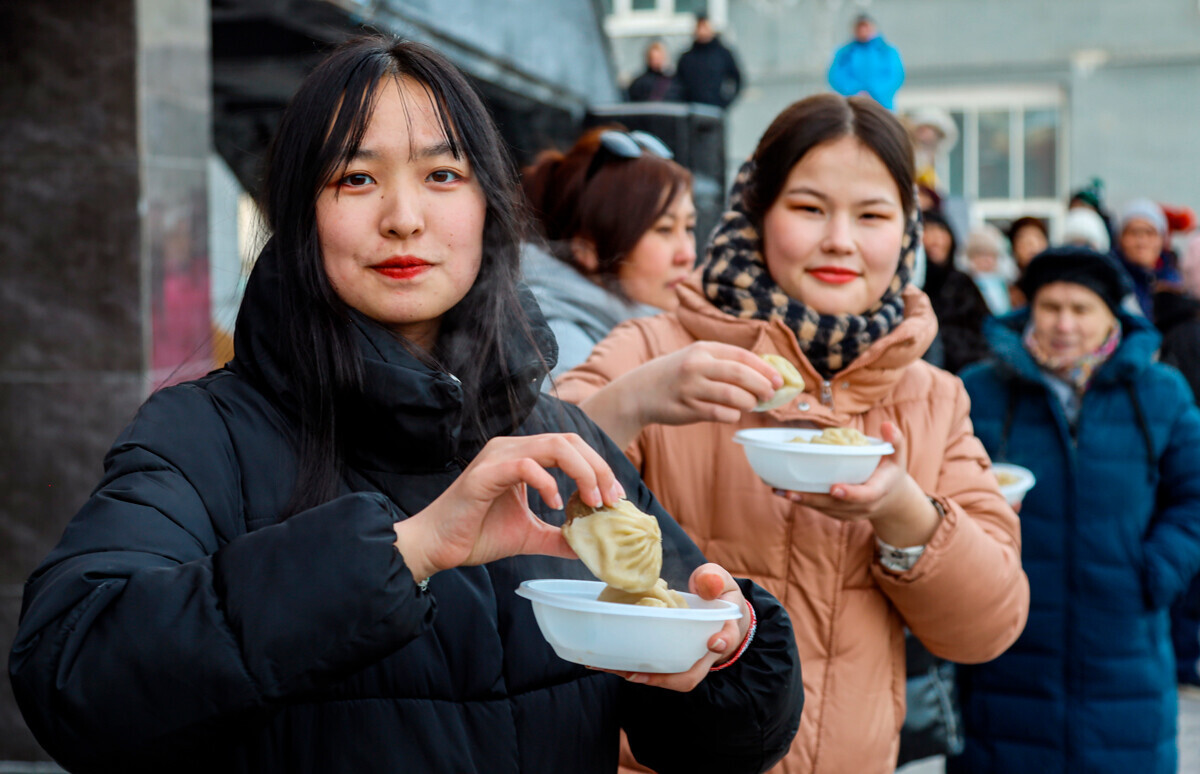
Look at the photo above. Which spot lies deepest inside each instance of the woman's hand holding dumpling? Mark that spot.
(484, 515)
(707, 381)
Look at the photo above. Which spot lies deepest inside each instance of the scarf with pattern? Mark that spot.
(1079, 371)
(737, 282)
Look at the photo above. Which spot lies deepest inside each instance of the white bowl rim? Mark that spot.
(749, 437)
(580, 595)
(1024, 475)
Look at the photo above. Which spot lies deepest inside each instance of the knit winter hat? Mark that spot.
(1085, 225)
(1147, 211)
(1081, 266)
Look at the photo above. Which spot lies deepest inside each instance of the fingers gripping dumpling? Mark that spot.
(793, 383)
(659, 596)
(621, 545)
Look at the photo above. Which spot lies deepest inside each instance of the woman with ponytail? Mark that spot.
(812, 262)
(615, 236)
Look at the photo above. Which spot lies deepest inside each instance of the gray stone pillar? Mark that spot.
(104, 136)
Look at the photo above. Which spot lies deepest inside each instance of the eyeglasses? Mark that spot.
(616, 145)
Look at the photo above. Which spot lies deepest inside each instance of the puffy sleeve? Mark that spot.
(967, 597)
(841, 79)
(158, 624)
(624, 349)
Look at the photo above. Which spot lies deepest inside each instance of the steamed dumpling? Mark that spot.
(621, 545)
(841, 436)
(658, 596)
(793, 383)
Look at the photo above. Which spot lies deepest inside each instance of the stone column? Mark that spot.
(104, 136)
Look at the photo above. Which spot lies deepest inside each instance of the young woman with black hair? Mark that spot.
(306, 561)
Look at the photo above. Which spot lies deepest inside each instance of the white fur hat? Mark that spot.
(1083, 226)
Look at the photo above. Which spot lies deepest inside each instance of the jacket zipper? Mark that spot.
(826, 393)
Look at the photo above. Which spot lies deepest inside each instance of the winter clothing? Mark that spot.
(960, 311)
(1147, 284)
(958, 304)
(653, 86)
(737, 281)
(1143, 209)
(1084, 225)
(1111, 535)
(873, 67)
(179, 626)
(580, 313)
(1079, 266)
(1177, 317)
(708, 73)
(965, 598)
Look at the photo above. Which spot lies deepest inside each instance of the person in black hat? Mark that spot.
(1110, 531)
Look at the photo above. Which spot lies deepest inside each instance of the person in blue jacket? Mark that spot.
(867, 65)
(1111, 528)
(307, 561)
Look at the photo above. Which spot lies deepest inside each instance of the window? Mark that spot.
(629, 18)
(1010, 157)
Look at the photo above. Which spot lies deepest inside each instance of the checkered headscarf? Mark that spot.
(736, 280)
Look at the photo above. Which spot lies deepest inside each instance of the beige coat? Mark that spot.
(966, 598)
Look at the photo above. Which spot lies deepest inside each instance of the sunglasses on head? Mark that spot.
(616, 145)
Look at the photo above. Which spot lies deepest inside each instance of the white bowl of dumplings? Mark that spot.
(629, 620)
(628, 637)
(808, 460)
(1014, 480)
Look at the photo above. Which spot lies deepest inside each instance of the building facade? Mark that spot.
(1046, 96)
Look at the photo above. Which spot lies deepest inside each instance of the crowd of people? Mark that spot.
(435, 349)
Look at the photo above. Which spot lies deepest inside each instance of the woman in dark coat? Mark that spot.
(1111, 529)
(956, 299)
(306, 561)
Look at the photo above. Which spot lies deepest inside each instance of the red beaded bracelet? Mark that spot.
(745, 642)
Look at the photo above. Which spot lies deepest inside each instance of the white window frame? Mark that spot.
(1016, 99)
(624, 22)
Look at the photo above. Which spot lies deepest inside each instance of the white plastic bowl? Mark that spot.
(633, 638)
(807, 467)
(1015, 492)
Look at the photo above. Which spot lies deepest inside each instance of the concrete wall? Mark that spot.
(103, 152)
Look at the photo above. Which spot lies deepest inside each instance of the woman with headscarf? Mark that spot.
(811, 262)
(957, 302)
(1111, 529)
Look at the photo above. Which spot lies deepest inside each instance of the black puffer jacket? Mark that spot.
(179, 626)
(708, 73)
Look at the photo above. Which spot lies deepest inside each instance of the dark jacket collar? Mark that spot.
(410, 414)
(1139, 343)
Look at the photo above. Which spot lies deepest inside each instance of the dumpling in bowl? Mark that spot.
(621, 545)
(841, 436)
(793, 383)
(659, 596)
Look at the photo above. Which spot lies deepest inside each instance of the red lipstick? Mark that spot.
(834, 275)
(402, 267)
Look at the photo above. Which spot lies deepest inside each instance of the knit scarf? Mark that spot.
(737, 282)
(1079, 371)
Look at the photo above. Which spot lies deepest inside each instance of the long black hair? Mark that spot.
(319, 133)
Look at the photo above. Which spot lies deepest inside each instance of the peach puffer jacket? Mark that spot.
(966, 598)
